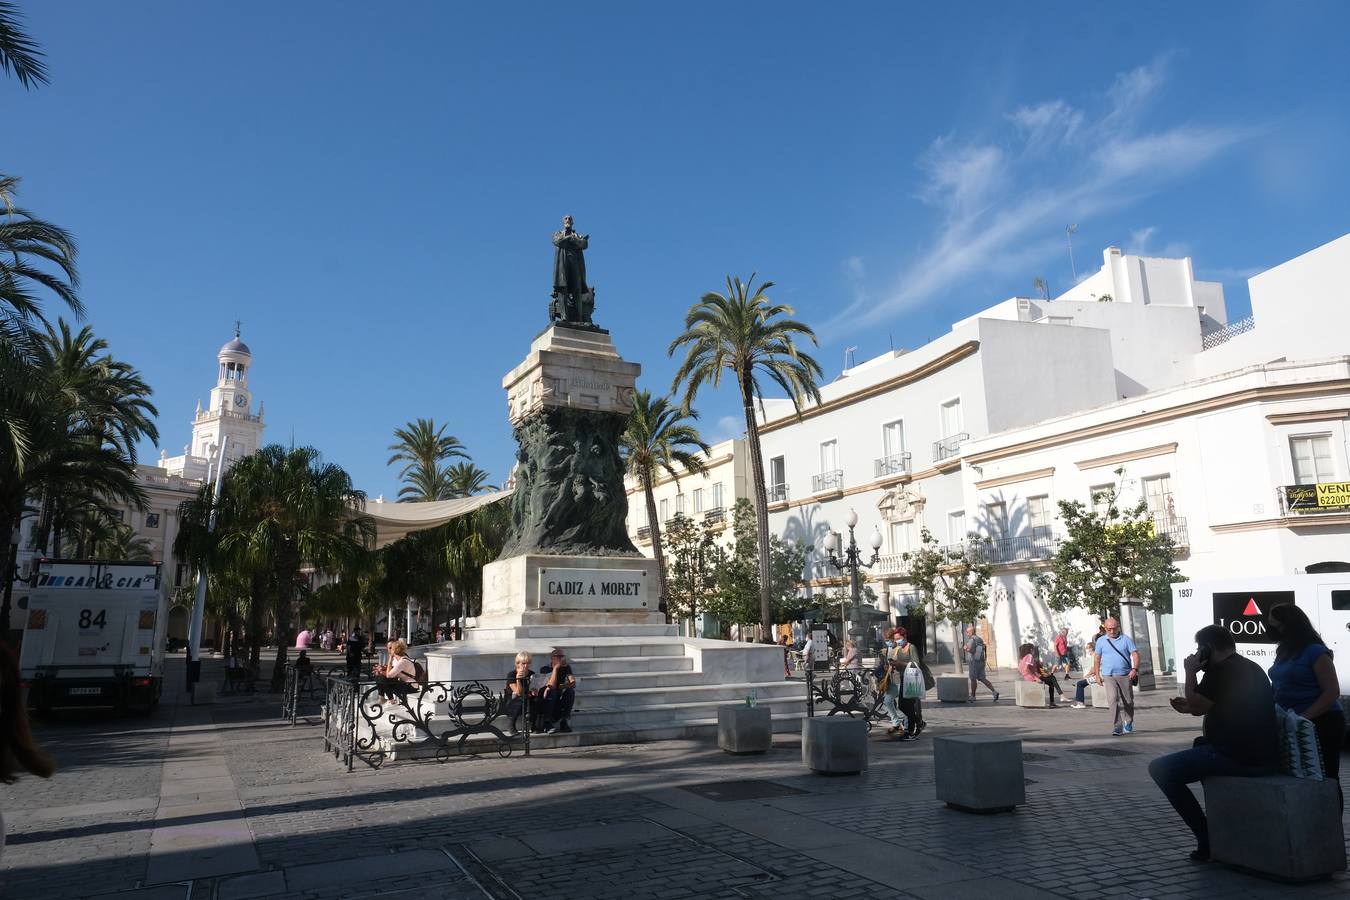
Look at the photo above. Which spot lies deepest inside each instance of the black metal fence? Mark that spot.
(304, 684)
(849, 692)
(372, 721)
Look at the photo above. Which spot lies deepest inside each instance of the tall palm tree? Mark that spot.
(422, 446)
(33, 255)
(19, 53)
(745, 334)
(282, 509)
(466, 479)
(660, 436)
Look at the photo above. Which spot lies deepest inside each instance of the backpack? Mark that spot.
(419, 672)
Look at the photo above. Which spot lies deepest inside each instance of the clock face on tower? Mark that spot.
(240, 401)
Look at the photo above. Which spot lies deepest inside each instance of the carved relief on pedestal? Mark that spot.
(900, 504)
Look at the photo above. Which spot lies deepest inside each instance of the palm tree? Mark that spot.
(29, 251)
(745, 334)
(466, 479)
(422, 446)
(659, 436)
(471, 542)
(282, 509)
(19, 54)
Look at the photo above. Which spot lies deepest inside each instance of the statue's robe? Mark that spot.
(569, 272)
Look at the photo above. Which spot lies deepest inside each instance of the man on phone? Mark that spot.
(1241, 736)
(558, 693)
(1116, 665)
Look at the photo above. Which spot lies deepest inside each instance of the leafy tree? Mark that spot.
(422, 446)
(746, 335)
(660, 436)
(738, 593)
(693, 559)
(19, 53)
(473, 541)
(466, 479)
(953, 580)
(1107, 557)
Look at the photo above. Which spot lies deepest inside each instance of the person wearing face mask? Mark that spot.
(1306, 683)
(898, 658)
(1241, 737)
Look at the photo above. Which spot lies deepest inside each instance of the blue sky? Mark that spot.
(371, 187)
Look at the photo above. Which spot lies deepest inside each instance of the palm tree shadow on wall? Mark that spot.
(807, 529)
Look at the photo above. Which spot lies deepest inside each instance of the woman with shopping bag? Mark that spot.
(909, 687)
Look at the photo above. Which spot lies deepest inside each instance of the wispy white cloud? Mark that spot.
(727, 427)
(1003, 204)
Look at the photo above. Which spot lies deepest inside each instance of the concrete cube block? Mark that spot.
(1277, 826)
(1033, 694)
(953, 688)
(1097, 696)
(834, 745)
(979, 772)
(744, 729)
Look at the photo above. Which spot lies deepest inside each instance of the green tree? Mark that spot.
(746, 335)
(19, 54)
(466, 479)
(692, 560)
(738, 595)
(421, 446)
(660, 437)
(953, 580)
(473, 541)
(1108, 556)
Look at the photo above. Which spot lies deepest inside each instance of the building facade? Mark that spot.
(707, 498)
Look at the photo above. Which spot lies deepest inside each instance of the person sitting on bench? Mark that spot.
(518, 691)
(558, 693)
(395, 678)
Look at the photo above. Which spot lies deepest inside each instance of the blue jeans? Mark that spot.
(1173, 772)
(1080, 690)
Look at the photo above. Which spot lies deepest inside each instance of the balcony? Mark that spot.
(949, 446)
(1023, 548)
(778, 493)
(644, 533)
(892, 564)
(832, 480)
(715, 516)
(895, 464)
(1174, 527)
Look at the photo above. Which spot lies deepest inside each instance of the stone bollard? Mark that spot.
(1281, 827)
(834, 745)
(1033, 694)
(1097, 695)
(744, 729)
(953, 688)
(980, 773)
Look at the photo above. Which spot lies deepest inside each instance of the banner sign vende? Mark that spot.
(1327, 496)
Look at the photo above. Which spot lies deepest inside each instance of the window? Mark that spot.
(1158, 493)
(902, 537)
(679, 504)
(152, 520)
(893, 438)
(1101, 496)
(665, 509)
(1312, 458)
(1038, 516)
(121, 514)
(829, 456)
(717, 494)
(956, 526)
(997, 515)
(777, 480)
(951, 417)
(640, 508)
(698, 500)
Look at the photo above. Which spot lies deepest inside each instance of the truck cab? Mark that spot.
(94, 636)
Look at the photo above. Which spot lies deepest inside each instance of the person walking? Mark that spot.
(1116, 666)
(900, 658)
(1062, 655)
(1241, 736)
(977, 654)
(852, 659)
(1305, 682)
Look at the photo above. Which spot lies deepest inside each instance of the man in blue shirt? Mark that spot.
(1116, 665)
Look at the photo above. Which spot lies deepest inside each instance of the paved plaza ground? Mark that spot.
(229, 802)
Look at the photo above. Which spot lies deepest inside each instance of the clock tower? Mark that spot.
(231, 410)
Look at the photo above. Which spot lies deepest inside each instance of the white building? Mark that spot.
(228, 415)
(1219, 458)
(889, 436)
(707, 498)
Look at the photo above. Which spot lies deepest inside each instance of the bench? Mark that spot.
(953, 688)
(239, 678)
(979, 773)
(1276, 826)
(1033, 694)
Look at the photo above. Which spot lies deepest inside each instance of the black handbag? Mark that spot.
(1134, 682)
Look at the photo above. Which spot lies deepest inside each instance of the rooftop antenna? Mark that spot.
(1041, 288)
(890, 337)
(848, 351)
(1068, 231)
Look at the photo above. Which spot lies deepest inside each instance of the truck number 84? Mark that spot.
(89, 620)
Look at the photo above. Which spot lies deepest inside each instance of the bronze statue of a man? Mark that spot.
(573, 300)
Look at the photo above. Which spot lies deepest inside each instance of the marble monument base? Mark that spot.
(539, 589)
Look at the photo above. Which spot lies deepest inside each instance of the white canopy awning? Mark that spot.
(396, 520)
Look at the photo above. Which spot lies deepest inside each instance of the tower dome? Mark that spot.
(235, 347)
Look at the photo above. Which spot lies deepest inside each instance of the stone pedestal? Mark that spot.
(744, 729)
(1033, 694)
(1281, 827)
(834, 745)
(953, 688)
(978, 772)
(539, 589)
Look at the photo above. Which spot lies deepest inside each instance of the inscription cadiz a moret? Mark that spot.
(591, 584)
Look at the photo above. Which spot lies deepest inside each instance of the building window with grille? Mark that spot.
(1312, 458)
(717, 495)
(1038, 516)
(698, 500)
(956, 526)
(997, 516)
(679, 504)
(1158, 495)
(902, 537)
(665, 509)
(777, 480)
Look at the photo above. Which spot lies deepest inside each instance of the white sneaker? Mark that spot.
(1079, 706)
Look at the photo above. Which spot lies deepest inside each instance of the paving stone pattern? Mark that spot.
(596, 822)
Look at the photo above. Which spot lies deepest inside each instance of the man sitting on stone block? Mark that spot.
(558, 693)
(1241, 737)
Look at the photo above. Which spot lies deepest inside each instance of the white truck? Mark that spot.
(1241, 604)
(94, 636)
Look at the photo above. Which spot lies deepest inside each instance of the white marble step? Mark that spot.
(627, 698)
(613, 681)
(613, 665)
(647, 647)
(563, 632)
(592, 718)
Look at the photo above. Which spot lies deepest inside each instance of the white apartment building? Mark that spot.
(889, 437)
(707, 498)
(1228, 461)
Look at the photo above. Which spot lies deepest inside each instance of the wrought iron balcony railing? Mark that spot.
(1174, 527)
(644, 533)
(949, 446)
(1024, 548)
(715, 516)
(895, 464)
(832, 480)
(778, 493)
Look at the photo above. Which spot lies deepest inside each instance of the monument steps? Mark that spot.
(618, 681)
(561, 632)
(615, 665)
(676, 695)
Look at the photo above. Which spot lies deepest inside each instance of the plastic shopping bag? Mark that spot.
(912, 687)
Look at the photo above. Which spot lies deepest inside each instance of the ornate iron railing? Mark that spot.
(715, 516)
(366, 720)
(949, 446)
(1227, 333)
(832, 480)
(305, 684)
(849, 692)
(895, 464)
(1022, 548)
(778, 493)
(892, 564)
(1174, 527)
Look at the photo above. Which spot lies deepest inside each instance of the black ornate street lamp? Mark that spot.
(853, 564)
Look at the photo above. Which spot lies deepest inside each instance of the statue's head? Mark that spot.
(567, 223)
